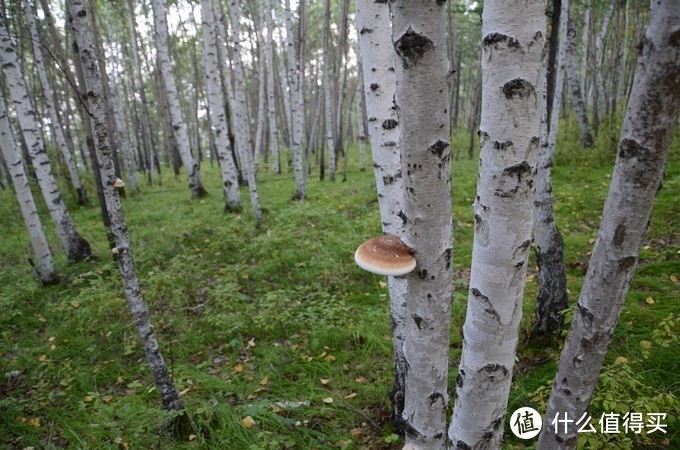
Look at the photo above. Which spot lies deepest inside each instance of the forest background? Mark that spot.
(274, 338)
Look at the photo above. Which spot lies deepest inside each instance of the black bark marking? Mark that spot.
(436, 396)
(403, 217)
(389, 124)
(390, 179)
(619, 235)
(489, 309)
(422, 274)
(463, 446)
(497, 38)
(585, 315)
(518, 88)
(372, 119)
(81, 13)
(374, 86)
(494, 370)
(518, 169)
(418, 320)
(627, 262)
(411, 431)
(629, 148)
(447, 257)
(390, 144)
(502, 145)
(523, 247)
(365, 30)
(438, 148)
(496, 424)
(412, 47)
(459, 381)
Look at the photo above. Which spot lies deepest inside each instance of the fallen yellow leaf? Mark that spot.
(674, 279)
(75, 305)
(325, 381)
(646, 345)
(264, 381)
(192, 437)
(621, 359)
(649, 300)
(88, 398)
(238, 368)
(591, 241)
(42, 357)
(361, 380)
(276, 409)
(35, 422)
(328, 400)
(248, 422)
(352, 395)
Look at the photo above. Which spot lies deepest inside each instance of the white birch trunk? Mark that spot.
(243, 135)
(552, 297)
(513, 75)
(297, 113)
(270, 68)
(43, 265)
(575, 87)
(327, 92)
(585, 35)
(56, 128)
(78, 21)
(179, 126)
(77, 248)
(422, 68)
(361, 117)
(218, 118)
(642, 153)
(378, 61)
(261, 102)
(599, 59)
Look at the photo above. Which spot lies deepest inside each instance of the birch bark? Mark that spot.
(575, 87)
(646, 136)
(270, 68)
(514, 78)
(552, 297)
(243, 135)
(422, 68)
(50, 104)
(327, 91)
(178, 124)
(43, 266)
(78, 21)
(77, 248)
(297, 113)
(378, 60)
(218, 118)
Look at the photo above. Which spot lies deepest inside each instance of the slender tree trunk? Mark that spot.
(514, 79)
(328, 93)
(585, 35)
(169, 396)
(218, 113)
(375, 41)
(270, 68)
(552, 297)
(575, 87)
(43, 265)
(599, 96)
(77, 248)
(361, 117)
(178, 124)
(643, 149)
(422, 68)
(48, 97)
(297, 113)
(243, 134)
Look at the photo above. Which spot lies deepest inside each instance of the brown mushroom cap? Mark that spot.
(385, 255)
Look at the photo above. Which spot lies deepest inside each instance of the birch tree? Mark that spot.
(77, 248)
(123, 251)
(646, 136)
(218, 118)
(43, 264)
(378, 57)
(270, 68)
(552, 296)
(56, 129)
(179, 126)
(422, 67)
(513, 47)
(296, 108)
(575, 86)
(243, 135)
(327, 91)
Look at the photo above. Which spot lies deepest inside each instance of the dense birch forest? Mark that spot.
(257, 225)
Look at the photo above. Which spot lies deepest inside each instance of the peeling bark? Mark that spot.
(513, 53)
(646, 136)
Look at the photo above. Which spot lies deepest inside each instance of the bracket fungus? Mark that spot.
(385, 255)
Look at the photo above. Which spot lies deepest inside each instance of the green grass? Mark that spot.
(248, 318)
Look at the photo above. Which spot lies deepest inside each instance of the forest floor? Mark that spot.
(281, 327)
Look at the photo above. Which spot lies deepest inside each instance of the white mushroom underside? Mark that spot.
(393, 271)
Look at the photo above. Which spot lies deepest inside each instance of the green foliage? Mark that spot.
(273, 324)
